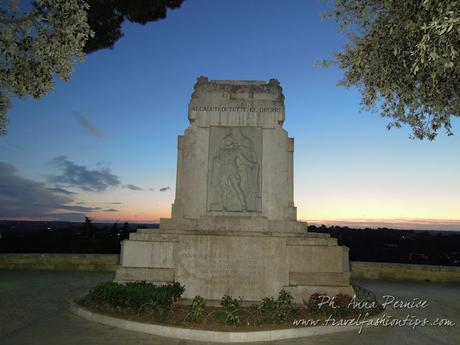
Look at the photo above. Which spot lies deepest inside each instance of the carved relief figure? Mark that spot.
(235, 174)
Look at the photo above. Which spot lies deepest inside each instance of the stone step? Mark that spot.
(152, 275)
(312, 241)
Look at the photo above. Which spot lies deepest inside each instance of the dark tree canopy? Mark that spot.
(47, 40)
(404, 56)
(105, 18)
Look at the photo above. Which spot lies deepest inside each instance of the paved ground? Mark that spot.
(33, 311)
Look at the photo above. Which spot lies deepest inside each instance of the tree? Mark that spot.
(403, 56)
(88, 228)
(51, 37)
(106, 16)
(37, 45)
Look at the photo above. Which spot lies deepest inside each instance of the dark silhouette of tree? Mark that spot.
(88, 221)
(125, 230)
(114, 231)
(88, 228)
(105, 18)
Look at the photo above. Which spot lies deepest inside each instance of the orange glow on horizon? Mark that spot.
(394, 223)
(134, 216)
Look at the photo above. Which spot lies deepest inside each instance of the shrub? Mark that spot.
(196, 312)
(278, 310)
(286, 304)
(230, 308)
(342, 301)
(230, 303)
(136, 296)
(270, 312)
(314, 301)
(285, 299)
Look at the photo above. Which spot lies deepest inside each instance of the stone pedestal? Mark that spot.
(233, 228)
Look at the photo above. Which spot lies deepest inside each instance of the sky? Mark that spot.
(104, 144)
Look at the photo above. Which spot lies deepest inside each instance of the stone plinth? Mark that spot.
(234, 227)
(252, 265)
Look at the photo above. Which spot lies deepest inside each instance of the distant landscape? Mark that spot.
(379, 245)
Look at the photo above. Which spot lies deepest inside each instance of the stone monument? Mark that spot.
(234, 227)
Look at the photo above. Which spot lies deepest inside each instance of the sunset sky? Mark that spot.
(104, 143)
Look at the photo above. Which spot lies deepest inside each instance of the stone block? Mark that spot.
(153, 275)
(147, 254)
(212, 266)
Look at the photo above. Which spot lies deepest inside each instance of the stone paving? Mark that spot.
(33, 311)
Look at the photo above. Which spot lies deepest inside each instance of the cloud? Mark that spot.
(74, 175)
(83, 209)
(24, 198)
(165, 189)
(132, 187)
(62, 191)
(151, 189)
(86, 123)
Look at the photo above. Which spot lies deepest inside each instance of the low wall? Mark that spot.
(82, 262)
(109, 262)
(390, 271)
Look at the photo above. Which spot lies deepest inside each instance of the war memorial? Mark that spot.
(233, 228)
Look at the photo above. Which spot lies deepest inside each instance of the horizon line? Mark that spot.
(393, 223)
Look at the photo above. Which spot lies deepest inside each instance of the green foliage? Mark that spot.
(404, 56)
(4, 105)
(157, 302)
(196, 312)
(278, 311)
(270, 312)
(230, 303)
(49, 39)
(285, 299)
(37, 46)
(229, 312)
(136, 296)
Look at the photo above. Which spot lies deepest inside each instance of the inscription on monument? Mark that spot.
(241, 108)
(234, 169)
(246, 270)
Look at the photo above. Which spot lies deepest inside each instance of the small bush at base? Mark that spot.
(196, 312)
(278, 311)
(229, 311)
(136, 296)
(147, 302)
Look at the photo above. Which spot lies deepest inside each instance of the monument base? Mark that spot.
(248, 258)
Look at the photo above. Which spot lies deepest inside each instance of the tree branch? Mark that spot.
(20, 20)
